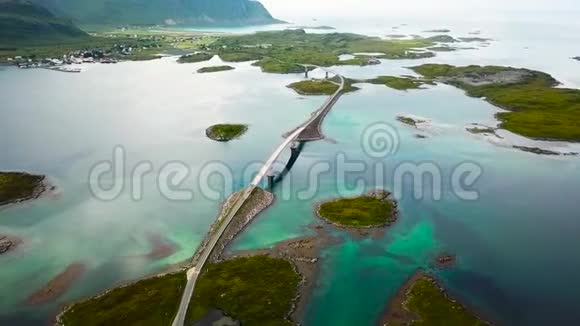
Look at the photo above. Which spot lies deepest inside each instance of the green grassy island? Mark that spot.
(225, 132)
(195, 57)
(256, 291)
(18, 186)
(314, 87)
(151, 301)
(538, 110)
(422, 302)
(214, 69)
(400, 83)
(371, 210)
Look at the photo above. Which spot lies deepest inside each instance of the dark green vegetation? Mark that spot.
(18, 186)
(364, 211)
(195, 57)
(283, 51)
(537, 109)
(226, 132)
(22, 22)
(400, 83)
(432, 306)
(152, 12)
(214, 69)
(257, 291)
(152, 302)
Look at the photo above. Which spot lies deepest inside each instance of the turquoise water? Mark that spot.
(518, 261)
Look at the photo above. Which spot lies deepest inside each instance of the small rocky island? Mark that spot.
(20, 186)
(322, 86)
(413, 122)
(402, 83)
(314, 87)
(214, 69)
(422, 299)
(372, 210)
(225, 132)
(445, 260)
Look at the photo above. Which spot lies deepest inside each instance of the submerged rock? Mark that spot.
(8, 243)
(536, 150)
(445, 260)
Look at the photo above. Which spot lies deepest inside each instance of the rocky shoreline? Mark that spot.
(213, 134)
(397, 312)
(304, 254)
(257, 203)
(43, 187)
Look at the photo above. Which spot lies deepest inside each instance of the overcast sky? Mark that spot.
(289, 9)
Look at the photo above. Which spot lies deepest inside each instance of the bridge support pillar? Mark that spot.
(294, 149)
(270, 181)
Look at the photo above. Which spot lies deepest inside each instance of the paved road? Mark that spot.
(193, 273)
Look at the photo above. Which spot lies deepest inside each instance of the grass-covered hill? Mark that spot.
(22, 22)
(146, 12)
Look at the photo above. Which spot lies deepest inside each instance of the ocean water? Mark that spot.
(518, 262)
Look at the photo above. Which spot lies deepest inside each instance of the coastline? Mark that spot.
(42, 189)
(304, 254)
(397, 313)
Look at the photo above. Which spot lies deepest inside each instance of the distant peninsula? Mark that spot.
(422, 299)
(214, 69)
(536, 107)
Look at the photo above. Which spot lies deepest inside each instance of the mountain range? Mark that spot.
(22, 21)
(152, 12)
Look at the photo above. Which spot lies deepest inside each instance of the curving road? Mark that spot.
(193, 273)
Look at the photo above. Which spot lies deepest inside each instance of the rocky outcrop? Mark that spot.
(445, 260)
(8, 243)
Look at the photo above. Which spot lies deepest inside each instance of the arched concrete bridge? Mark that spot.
(309, 130)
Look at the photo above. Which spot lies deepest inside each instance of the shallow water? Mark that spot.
(516, 245)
